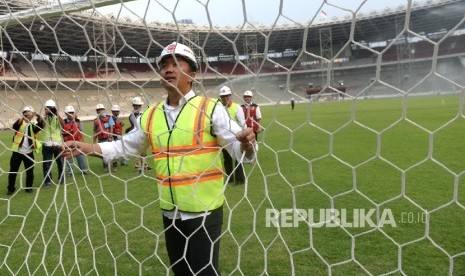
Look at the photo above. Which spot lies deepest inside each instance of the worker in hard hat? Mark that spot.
(72, 131)
(185, 133)
(51, 140)
(252, 113)
(24, 145)
(234, 170)
(140, 162)
(103, 130)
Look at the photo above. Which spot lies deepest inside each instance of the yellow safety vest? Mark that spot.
(232, 111)
(187, 158)
(51, 131)
(19, 135)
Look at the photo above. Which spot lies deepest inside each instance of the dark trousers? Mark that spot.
(229, 167)
(15, 162)
(193, 245)
(48, 154)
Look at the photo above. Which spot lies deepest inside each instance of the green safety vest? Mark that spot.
(19, 135)
(51, 131)
(187, 158)
(232, 110)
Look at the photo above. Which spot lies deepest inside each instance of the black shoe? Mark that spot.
(10, 193)
(240, 182)
(29, 190)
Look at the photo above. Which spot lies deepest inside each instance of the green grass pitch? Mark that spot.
(406, 155)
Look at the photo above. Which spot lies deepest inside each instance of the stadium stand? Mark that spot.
(86, 78)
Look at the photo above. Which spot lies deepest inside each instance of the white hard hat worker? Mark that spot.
(50, 107)
(99, 107)
(137, 101)
(179, 50)
(225, 91)
(50, 103)
(225, 95)
(248, 93)
(115, 107)
(69, 109)
(27, 108)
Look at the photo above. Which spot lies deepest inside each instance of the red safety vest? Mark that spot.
(250, 115)
(118, 127)
(71, 131)
(99, 127)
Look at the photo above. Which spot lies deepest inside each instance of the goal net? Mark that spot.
(361, 162)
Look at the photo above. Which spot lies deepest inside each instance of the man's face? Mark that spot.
(247, 99)
(100, 111)
(48, 110)
(176, 73)
(27, 115)
(115, 113)
(136, 107)
(225, 99)
(70, 115)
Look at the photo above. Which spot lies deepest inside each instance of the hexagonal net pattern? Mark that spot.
(359, 120)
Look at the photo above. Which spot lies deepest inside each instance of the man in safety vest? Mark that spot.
(252, 113)
(186, 134)
(24, 141)
(72, 131)
(235, 112)
(103, 130)
(140, 162)
(51, 140)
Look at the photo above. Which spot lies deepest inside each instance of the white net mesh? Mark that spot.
(364, 175)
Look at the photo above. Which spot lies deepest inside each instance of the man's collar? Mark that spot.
(184, 99)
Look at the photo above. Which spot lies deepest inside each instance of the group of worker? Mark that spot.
(246, 115)
(46, 134)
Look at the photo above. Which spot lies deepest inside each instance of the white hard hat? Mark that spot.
(248, 93)
(28, 108)
(115, 107)
(100, 106)
(69, 109)
(225, 91)
(137, 101)
(50, 103)
(179, 49)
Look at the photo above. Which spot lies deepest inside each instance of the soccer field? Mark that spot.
(390, 172)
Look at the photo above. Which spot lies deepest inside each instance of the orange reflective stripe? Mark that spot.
(182, 152)
(189, 148)
(190, 179)
(149, 126)
(200, 121)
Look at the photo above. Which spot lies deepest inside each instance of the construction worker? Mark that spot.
(103, 130)
(24, 142)
(186, 133)
(51, 140)
(235, 112)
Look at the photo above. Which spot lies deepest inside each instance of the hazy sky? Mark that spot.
(236, 12)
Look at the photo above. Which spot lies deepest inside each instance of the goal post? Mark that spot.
(362, 174)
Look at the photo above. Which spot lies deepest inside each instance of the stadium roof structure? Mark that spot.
(79, 33)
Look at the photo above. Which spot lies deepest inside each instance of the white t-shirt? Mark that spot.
(25, 147)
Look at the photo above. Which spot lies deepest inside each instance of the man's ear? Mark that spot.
(192, 75)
